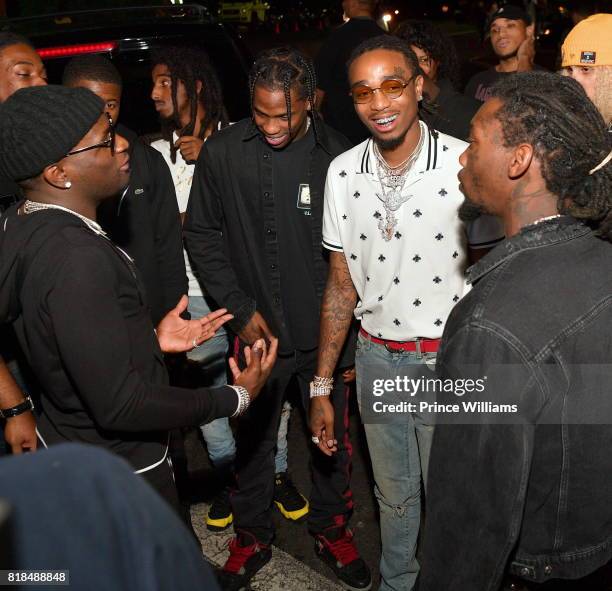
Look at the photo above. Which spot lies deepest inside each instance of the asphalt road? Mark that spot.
(293, 537)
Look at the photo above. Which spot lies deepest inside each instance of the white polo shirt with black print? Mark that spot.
(407, 286)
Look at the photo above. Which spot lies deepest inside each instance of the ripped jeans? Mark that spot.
(399, 443)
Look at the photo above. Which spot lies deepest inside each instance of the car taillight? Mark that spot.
(70, 50)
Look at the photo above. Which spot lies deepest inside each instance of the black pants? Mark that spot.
(161, 479)
(331, 501)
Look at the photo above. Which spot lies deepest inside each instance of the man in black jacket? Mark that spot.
(144, 220)
(20, 67)
(253, 231)
(519, 478)
(333, 88)
(448, 111)
(77, 302)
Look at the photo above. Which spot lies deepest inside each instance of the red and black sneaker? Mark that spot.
(336, 548)
(247, 557)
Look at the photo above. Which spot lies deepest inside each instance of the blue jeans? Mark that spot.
(211, 356)
(399, 445)
(280, 460)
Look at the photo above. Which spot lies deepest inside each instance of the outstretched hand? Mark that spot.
(177, 335)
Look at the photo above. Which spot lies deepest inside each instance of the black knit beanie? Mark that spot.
(41, 124)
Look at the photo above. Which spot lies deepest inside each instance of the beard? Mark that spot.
(391, 143)
(470, 211)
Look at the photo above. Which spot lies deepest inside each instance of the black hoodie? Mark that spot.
(80, 314)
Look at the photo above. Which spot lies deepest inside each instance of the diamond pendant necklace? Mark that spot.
(392, 181)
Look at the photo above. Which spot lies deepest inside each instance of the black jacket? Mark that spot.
(530, 493)
(452, 111)
(10, 193)
(146, 223)
(230, 227)
(81, 316)
(332, 76)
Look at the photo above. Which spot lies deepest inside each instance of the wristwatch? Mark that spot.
(14, 411)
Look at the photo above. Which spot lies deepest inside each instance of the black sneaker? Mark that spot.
(336, 548)
(220, 515)
(291, 503)
(247, 557)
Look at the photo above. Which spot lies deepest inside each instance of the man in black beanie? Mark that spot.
(145, 219)
(77, 302)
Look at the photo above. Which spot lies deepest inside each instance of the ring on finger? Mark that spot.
(315, 440)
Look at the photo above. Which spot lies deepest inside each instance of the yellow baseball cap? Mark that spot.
(589, 43)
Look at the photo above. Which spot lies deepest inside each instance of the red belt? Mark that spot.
(425, 345)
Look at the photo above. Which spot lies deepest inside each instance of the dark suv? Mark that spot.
(127, 36)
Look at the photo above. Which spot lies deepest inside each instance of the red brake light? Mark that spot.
(70, 50)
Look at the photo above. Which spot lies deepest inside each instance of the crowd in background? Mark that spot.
(323, 242)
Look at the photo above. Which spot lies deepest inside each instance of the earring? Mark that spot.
(67, 184)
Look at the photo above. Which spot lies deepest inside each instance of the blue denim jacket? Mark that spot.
(532, 495)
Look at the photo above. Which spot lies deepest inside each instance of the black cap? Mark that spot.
(41, 124)
(511, 12)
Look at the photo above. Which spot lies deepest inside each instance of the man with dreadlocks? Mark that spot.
(188, 96)
(253, 231)
(522, 484)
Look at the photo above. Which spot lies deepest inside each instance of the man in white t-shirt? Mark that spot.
(398, 253)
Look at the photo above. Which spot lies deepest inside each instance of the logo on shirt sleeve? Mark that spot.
(303, 201)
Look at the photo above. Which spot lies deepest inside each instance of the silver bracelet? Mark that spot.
(321, 386)
(243, 400)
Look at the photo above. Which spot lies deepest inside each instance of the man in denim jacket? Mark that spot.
(519, 480)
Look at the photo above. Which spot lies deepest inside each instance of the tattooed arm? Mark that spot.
(339, 301)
